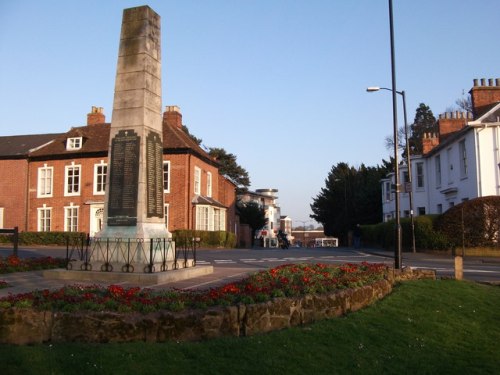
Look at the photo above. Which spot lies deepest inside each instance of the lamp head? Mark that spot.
(373, 88)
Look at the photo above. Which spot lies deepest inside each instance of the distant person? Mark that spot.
(357, 236)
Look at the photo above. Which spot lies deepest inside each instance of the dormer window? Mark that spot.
(74, 143)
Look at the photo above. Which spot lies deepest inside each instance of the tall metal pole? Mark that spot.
(408, 161)
(397, 247)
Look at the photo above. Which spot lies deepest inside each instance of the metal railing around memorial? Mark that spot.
(125, 255)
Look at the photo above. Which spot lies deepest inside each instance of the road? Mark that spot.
(232, 264)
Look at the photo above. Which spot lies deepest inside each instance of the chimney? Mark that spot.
(429, 141)
(483, 94)
(172, 116)
(96, 116)
(451, 122)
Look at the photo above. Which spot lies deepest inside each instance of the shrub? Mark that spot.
(473, 223)
(184, 237)
(45, 238)
(426, 237)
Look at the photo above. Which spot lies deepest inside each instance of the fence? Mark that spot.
(125, 255)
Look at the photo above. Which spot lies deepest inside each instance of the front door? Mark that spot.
(96, 218)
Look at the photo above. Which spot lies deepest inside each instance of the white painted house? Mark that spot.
(268, 200)
(462, 162)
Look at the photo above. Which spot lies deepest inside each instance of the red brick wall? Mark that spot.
(13, 181)
(58, 201)
(483, 94)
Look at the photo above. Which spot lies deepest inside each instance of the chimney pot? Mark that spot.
(483, 81)
(475, 81)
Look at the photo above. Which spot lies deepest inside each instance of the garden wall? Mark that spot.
(27, 326)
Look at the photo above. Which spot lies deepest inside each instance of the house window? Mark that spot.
(387, 191)
(439, 208)
(451, 204)
(100, 171)
(166, 176)
(421, 211)
(44, 219)
(71, 218)
(463, 159)
(209, 184)
(45, 181)
(74, 143)
(72, 180)
(450, 166)
(202, 217)
(197, 180)
(1, 217)
(437, 162)
(420, 175)
(405, 177)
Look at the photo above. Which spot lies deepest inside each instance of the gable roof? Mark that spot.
(95, 141)
(19, 146)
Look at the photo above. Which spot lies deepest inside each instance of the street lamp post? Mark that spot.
(408, 161)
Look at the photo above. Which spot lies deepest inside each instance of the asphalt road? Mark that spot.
(236, 263)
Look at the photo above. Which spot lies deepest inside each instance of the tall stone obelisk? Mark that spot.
(134, 207)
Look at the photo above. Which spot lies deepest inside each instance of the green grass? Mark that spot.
(424, 327)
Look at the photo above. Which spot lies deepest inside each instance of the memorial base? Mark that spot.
(136, 278)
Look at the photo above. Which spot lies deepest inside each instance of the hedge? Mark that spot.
(45, 238)
(207, 239)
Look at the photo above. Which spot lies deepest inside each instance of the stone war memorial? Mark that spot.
(134, 244)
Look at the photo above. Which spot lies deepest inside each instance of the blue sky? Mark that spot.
(280, 84)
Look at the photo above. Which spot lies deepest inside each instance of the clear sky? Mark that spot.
(280, 84)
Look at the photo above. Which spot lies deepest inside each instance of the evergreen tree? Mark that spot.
(230, 168)
(351, 196)
(424, 122)
(253, 215)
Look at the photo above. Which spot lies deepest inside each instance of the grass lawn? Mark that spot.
(423, 327)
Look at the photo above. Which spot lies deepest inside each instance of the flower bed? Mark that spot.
(289, 280)
(13, 263)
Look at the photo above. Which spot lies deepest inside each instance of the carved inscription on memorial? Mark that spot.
(154, 183)
(123, 179)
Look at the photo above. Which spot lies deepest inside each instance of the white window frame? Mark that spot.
(1, 217)
(462, 149)
(100, 179)
(209, 184)
(44, 219)
(197, 180)
(45, 188)
(420, 175)
(74, 143)
(202, 217)
(72, 184)
(166, 176)
(437, 166)
(71, 218)
(388, 193)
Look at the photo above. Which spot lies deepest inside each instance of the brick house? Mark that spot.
(63, 180)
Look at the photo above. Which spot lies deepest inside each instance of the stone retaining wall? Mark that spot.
(27, 326)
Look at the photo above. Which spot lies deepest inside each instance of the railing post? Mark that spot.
(151, 255)
(15, 240)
